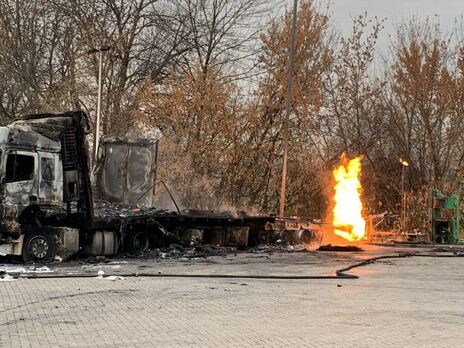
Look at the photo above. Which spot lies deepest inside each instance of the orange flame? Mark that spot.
(348, 222)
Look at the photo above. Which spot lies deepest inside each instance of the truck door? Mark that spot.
(50, 179)
(21, 178)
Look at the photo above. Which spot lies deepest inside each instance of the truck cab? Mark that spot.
(30, 171)
(46, 201)
(41, 170)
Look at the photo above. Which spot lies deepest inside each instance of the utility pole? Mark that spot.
(291, 59)
(97, 121)
(404, 164)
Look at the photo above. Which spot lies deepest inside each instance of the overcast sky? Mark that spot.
(395, 12)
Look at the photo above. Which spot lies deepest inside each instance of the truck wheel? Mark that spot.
(39, 246)
(138, 243)
(103, 243)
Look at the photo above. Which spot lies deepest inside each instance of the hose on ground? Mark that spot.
(339, 274)
(176, 275)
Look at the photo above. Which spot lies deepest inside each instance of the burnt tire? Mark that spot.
(138, 243)
(39, 246)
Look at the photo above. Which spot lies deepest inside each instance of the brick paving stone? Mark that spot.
(416, 302)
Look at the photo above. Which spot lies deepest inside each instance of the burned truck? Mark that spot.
(48, 208)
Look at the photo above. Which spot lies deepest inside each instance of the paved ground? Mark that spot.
(412, 302)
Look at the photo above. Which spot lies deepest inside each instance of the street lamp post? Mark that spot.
(97, 121)
(287, 112)
(404, 164)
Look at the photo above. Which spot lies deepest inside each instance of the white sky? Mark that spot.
(396, 10)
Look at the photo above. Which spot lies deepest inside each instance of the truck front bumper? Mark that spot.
(12, 247)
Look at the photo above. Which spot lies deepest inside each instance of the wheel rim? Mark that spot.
(38, 247)
(140, 242)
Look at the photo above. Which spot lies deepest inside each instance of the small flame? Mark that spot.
(348, 222)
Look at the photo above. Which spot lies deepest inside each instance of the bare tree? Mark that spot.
(37, 59)
(224, 34)
(420, 120)
(312, 61)
(136, 32)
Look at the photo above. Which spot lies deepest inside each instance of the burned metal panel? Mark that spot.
(140, 174)
(68, 241)
(113, 173)
(52, 126)
(23, 135)
(127, 170)
(19, 190)
(13, 247)
(50, 179)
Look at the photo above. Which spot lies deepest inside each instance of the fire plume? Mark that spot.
(348, 222)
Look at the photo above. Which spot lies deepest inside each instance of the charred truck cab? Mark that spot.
(46, 201)
(43, 167)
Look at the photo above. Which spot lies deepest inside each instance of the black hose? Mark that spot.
(176, 275)
(366, 262)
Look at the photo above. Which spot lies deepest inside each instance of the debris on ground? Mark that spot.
(330, 247)
(97, 259)
(12, 269)
(114, 278)
(175, 251)
(7, 277)
(101, 275)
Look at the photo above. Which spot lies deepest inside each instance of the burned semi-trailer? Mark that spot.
(47, 207)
